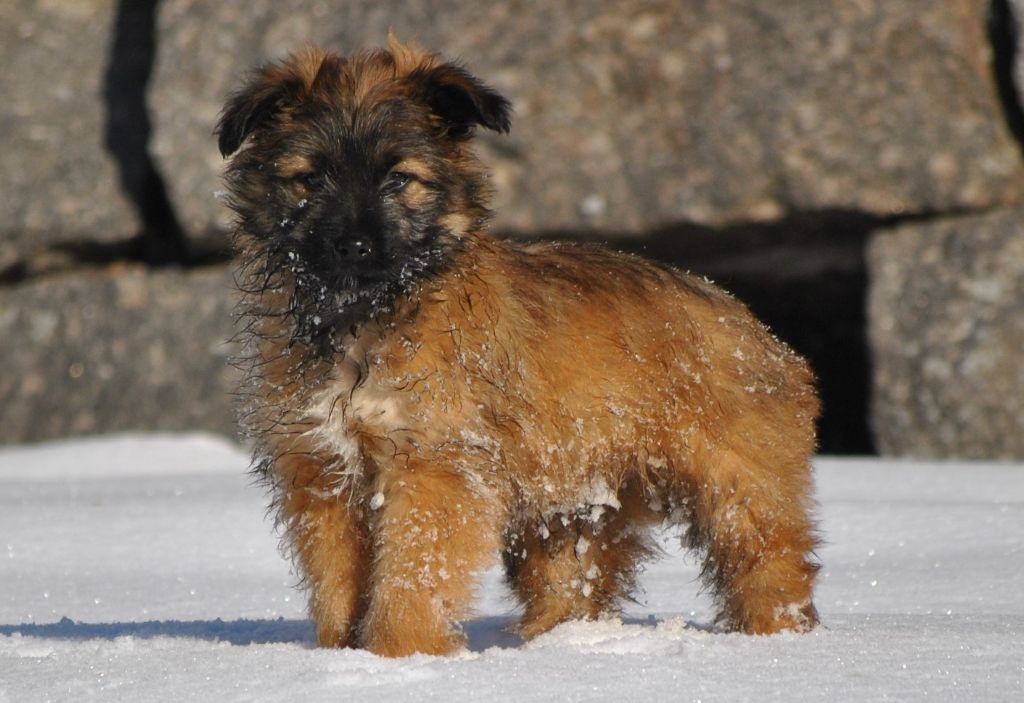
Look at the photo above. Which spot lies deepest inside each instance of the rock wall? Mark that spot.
(636, 115)
(948, 335)
(121, 349)
(765, 144)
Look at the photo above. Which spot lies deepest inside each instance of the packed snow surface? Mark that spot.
(144, 569)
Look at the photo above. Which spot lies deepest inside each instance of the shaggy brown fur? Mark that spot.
(423, 396)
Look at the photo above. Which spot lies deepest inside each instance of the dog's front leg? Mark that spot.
(434, 529)
(330, 542)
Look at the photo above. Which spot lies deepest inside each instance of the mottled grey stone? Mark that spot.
(57, 180)
(947, 333)
(118, 350)
(636, 115)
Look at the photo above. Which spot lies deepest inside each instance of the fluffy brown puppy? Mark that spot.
(422, 395)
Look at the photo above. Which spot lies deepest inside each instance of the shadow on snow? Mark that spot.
(234, 631)
(483, 633)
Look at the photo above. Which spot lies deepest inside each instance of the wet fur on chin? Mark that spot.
(422, 396)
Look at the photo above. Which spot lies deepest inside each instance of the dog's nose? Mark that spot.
(355, 250)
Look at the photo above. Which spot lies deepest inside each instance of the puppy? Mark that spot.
(422, 396)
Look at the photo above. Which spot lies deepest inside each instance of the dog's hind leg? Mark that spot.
(751, 520)
(580, 566)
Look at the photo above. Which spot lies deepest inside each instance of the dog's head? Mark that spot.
(355, 173)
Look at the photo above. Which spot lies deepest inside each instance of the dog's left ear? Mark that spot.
(462, 101)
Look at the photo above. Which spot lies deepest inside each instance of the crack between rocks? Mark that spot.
(127, 134)
(715, 250)
(734, 247)
(84, 256)
(805, 275)
(1003, 35)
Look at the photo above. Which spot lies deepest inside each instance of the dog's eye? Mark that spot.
(395, 181)
(310, 179)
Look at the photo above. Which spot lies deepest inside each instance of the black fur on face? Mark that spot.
(352, 179)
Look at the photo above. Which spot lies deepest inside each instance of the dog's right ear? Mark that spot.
(248, 109)
(272, 89)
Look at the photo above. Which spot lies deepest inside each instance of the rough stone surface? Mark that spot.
(113, 351)
(948, 337)
(57, 179)
(638, 114)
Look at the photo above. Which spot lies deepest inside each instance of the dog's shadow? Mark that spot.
(482, 633)
(233, 631)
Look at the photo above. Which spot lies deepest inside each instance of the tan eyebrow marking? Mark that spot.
(415, 194)
(456, 222)
(292, 165)
(415, 167)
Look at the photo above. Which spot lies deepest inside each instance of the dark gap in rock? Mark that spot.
(14, 273)
(1004, 33)
(128, 129)
(85, 254)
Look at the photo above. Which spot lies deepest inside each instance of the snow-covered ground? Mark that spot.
(144, 568)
